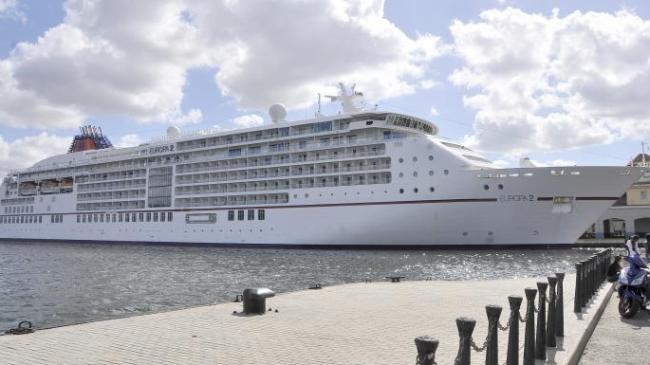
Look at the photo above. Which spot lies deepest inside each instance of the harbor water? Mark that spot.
(53, 284)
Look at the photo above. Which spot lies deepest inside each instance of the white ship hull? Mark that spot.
(432, 195)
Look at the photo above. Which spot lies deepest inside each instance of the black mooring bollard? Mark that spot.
(465, 328)
(551, 320)
(492, 352)
(426, 347)
(585, 287)
(513, 333)
(529, 333)
(559, 305)
(577, 298)
(540, 337)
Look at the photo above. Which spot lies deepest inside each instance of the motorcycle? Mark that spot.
(633, 287)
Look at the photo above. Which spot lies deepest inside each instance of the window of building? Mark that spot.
(120, 217)
(251, 214)
(644, 195)
(148, 216)
(261, 215)
(128, 217)
(231, 215)
(170, 215)
(141, 217)
(155, 216)
(162, 216)
(78, 218)
(240, 215)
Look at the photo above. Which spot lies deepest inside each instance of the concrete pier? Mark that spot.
(364, 323)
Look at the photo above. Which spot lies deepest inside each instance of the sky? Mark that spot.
(562, 82)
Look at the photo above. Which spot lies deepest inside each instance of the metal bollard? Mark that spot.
(426, 347)
(594, 272)
(513, 333)
(529, 332)
(540, 337)
(551, 320)
(577, 302)
(492, 352)
(559, 305)
(585, 281)
(465, 328)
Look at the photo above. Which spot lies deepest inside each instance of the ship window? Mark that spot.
(170, 215)
(162, 216)
(127, 218)
(400, 160)
(231, 215)
(401, 191)
(500, 186)
(133, 217)
(432, 189)
(114, 218)
(120, 217)
(446, 172)
(261, 215)
(251, 214)
(101, 218)
(430, 172)
(78, 218)
(415, 190)
(141, 217)
(240, 215)
(148, 216)
(486, 187)
(155, 216)
(430, 158)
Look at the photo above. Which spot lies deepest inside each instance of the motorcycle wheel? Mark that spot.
(628, 308)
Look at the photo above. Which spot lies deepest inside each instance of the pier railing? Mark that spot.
(543, 319)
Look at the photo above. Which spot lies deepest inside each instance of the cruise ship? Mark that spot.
(358, 178)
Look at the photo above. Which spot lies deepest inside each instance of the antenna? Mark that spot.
(643, 153)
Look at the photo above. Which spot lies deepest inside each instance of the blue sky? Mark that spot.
(559, 81)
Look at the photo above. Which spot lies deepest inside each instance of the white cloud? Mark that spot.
(9, 9)
(248, 121)
(129, 140)
(24, 152)
(546, 82)
(434, 111)
(428, 84)
(127, 58)
(192, 117)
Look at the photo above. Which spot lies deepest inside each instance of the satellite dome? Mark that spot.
(277, 112)
(173, 132)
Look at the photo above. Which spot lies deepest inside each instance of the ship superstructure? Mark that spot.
(358, 178)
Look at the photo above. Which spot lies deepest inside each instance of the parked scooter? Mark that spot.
(633, 286)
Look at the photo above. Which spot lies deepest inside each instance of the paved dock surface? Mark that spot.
(372, 323)
(617, 340)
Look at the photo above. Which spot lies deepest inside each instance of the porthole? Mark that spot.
(415, 159)
(490, 233)
(400, 160)
(430, 158)
(306, 195)
(500, 186)
(430, 172)
(432, 189)
(415, 190)
(446, 172)
(464, 233)
(295, 196)
(486, 187)
(401, 191)
(415, 173)
(401, 174)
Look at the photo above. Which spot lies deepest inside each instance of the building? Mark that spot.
(630, 214)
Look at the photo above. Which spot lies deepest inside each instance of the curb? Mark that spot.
(574, 359)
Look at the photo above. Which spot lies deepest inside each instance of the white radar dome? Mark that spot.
(173, 132)
(277, 112)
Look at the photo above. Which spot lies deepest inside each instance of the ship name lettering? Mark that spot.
(516, 198)
(161, 149)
